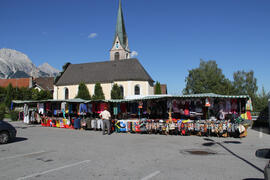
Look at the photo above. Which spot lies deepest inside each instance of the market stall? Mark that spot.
(197, 114)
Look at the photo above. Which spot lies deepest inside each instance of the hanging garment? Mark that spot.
(249, 106)
(228, 107)
(70, 110)
(63, 106)
(40, 107)
(77, 123)
(99, 124)
(89, 108)
(82, 109)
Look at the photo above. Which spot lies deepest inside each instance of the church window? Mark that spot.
(116, 56)
(137, 90)
(66, 93)
(122, 90)
(126, 55)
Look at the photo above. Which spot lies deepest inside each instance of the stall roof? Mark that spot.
(77, 100)
(141, 98)
(212, 95)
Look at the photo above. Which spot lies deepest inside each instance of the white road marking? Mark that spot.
(52, 170)
(260, 134)
(150, 176)
(21, 155)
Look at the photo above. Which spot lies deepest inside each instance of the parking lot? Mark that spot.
(51, 153)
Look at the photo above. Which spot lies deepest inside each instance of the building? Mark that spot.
(121, 69)
(17, 82)
(44, 83)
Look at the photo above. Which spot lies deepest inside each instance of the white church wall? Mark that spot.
(129, 89)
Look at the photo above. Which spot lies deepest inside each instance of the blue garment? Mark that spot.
(77, 123)
(82, 108)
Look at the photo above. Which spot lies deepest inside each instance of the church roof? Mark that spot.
(120, 27)
(104, 72)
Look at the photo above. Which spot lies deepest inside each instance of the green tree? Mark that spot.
(116, 92)
(2, 94)
(99, 95)
(208, 78)
(2, 111)
(64, 68)
(83, 92)
(260, 101)
(158, 88)
(24, 93)
(245, 83)
(35, 94)
(9, 95)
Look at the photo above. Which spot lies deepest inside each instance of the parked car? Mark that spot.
(7, 132)
(265, 153)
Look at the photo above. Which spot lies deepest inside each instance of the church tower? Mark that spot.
(120, 49)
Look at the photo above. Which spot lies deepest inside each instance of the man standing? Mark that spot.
(105, 116)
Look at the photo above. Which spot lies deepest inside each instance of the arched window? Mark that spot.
(137, 90)
(127, 56)
(66, 93)
(116, 56)
(122, 90)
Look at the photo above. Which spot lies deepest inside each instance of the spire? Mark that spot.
(120, 27)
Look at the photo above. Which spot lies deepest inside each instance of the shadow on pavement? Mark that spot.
(232, 142)
(237, 156)
(209, 144)
(253, 179)
(207, 139)
(18, 139)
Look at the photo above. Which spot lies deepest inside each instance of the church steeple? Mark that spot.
(120, 49)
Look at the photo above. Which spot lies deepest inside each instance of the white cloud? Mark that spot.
(134, 53)
(92, 35)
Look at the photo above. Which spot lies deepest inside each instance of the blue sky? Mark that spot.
(170, 36)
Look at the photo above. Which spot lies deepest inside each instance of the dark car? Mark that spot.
(265, 153)
(7, 132)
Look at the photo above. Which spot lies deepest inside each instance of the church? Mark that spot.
(121, 69)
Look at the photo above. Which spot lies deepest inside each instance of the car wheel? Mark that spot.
(4, 137)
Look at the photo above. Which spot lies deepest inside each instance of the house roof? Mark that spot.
(18, 82)
(104, 72)
(45, 83)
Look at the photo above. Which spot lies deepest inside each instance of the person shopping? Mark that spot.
(106, 116)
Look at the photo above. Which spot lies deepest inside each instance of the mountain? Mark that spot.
(16, 64)
(46, 68)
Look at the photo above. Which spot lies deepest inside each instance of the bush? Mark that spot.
(2, 111)
(14, 115)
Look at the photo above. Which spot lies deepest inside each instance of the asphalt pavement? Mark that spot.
(64, 154)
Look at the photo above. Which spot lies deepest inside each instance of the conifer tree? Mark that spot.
(99, 95)
(83, 92)
(116, 92)
(158, 88)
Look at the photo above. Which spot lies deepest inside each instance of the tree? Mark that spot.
(208, 78)
(158, 88)
(64, 68)
(2, 94)
(83, 92)
(245, 83)
(99, 95)
(260, 102)
(9, 95)
(116, 92)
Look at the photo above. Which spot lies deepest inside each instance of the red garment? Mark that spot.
(123, 107)
(249, 115)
